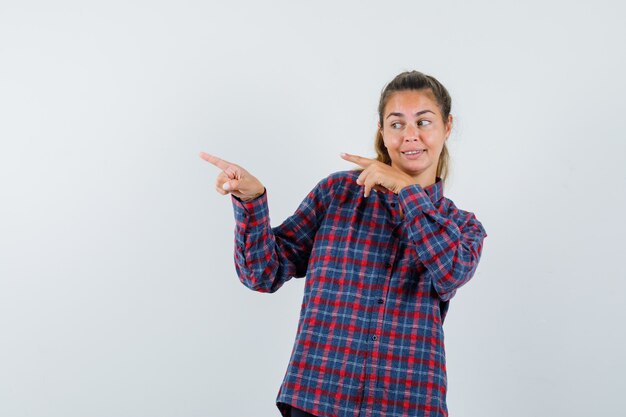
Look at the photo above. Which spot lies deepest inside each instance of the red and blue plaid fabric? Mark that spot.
(378, 282)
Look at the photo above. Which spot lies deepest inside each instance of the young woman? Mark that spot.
(383, 252)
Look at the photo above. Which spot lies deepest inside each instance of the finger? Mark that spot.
(218, 162)
(379, 188)
(363, 181)
(231, 185)
(371, 182)
(231, 172)
(363, 176)
(368, 188)
(220, 190)
(359, 160)
(221, 179)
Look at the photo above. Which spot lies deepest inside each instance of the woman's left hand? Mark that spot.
(377, 174)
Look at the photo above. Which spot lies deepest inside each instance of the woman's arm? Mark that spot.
(266, 257)
(448, 245)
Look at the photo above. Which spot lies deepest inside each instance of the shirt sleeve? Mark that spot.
(266, 257)
(449, 245)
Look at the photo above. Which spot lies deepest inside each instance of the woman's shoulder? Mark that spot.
(338, 182)
(339, 176)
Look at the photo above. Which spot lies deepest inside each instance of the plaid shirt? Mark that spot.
(378, 282)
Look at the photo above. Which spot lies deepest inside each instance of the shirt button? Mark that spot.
(380, 301)
(374, 338)
(388, 264)
(393, 204)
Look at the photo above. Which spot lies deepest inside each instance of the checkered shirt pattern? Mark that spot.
(380, 272)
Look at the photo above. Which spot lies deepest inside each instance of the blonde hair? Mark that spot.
(415, 80)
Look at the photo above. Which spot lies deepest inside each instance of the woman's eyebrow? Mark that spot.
(419, 113)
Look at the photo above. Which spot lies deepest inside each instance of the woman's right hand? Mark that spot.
(234, 179)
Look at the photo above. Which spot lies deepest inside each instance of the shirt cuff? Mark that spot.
(252, 213)
(414, 200)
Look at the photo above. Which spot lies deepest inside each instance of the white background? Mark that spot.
(118, 292)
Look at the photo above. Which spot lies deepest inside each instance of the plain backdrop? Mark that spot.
(118, 291)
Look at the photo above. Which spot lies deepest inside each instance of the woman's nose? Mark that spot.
(410, 133)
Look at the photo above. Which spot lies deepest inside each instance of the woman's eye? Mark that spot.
(396, 125)
(423, 123)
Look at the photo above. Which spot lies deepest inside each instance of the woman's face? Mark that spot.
(414, 133)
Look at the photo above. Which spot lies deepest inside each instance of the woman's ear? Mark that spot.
(449, 126)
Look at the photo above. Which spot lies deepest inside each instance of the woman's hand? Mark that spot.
(234, 179)
(377, 174)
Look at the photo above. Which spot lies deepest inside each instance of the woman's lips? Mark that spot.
(413, 154)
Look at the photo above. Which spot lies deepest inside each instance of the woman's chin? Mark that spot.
(413, 170)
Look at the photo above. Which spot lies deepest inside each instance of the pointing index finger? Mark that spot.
(220, 163)
(359, 160)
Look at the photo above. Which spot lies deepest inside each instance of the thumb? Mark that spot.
(230, 185)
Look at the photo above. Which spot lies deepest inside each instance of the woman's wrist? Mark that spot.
(255, 196)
